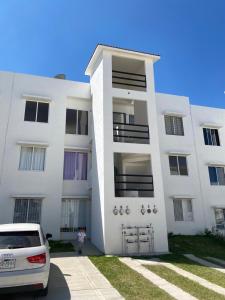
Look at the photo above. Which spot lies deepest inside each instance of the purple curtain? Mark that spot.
(75, 166)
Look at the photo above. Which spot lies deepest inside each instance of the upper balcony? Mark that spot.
(130, 122)
(128, 74)
(133, 175)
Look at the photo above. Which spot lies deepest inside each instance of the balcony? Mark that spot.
(137, 185)
(130, 121)
(126, 79)
(132, 175)
(130, 133)
(128, 74)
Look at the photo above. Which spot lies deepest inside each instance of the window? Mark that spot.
(76, 122)
(178, 165)
(19, 239)
(216, 175)
(73, 214)
(211, 137)
(36, 111)
(27, 211)
(220, 218)
(32, 158)
(75, 166)
(174, 125)
(183, 210)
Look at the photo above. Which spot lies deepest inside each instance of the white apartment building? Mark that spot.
(112, 155)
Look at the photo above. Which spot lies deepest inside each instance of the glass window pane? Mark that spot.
(34, 212)
(189, 215)
(173, 165)
(178, 126)
(30, 111)
(205, 134)
(42, 115)
(71, 121)
(119, 117)
(38, 159)
(220, 175)
(20, 211)
(82, 122)
(178, 210)
(131, 119)
(219, 216)
(213, 175)
(169, 125)
(182, 165)
(217, 137)
(25, 158)
(19, 239)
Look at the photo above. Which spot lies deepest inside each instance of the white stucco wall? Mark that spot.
(50, 182)
(100, 99)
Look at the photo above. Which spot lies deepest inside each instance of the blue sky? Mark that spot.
(46, 37)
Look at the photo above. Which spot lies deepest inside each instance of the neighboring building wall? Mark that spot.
(213, 195)
(175, 185)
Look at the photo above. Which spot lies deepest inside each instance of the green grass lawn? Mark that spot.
(199, 245)
(129, 283)
(185, 284)
(59, 246)
(132, 285)
(195, 268)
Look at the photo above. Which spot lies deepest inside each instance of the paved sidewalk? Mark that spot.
(168, 287)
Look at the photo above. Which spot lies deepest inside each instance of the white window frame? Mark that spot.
(185, 212)
(37, 101)
(77, 110)
(178, 165)
(173, 124)
(28, 207)
(32, 158)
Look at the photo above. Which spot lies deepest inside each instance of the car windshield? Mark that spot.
(19, 239)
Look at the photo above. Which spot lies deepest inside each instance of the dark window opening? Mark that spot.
(71, 121)
(36, 112)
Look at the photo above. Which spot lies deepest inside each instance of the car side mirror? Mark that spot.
(48, 236)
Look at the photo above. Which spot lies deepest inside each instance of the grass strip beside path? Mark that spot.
(198, 245)
(184, 263)
(185, 284)
(129, 283)
(59, 246)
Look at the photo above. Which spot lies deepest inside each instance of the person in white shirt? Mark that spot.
(81, 236)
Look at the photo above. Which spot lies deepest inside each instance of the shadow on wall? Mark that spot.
(96, 207)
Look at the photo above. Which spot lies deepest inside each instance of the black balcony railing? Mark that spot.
(128, 79)
(142, 184)
(130, 133)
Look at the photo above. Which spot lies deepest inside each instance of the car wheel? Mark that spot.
(43, 293)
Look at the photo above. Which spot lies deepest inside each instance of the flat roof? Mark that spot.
(100, 47)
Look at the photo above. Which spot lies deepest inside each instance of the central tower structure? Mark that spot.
(127, 189)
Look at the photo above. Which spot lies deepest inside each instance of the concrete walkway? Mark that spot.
(205, 263)
(207, 284)
(169, 288)
(82, 281)
(73, 278)
(217, 260)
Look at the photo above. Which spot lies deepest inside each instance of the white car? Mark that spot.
(24, 259)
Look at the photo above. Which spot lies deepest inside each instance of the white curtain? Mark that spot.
(178, 210)
(38, 159)
(70, 213)
(25, 158)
